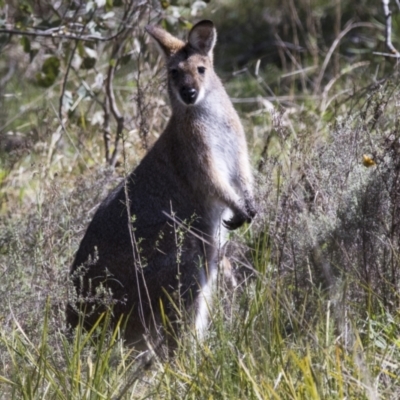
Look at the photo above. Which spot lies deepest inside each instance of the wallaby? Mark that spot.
(154, 241)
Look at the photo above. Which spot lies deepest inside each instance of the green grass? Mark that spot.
(286, 331)
(315, 312)
(269, 348)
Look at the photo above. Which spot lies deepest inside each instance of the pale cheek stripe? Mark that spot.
(200, 97)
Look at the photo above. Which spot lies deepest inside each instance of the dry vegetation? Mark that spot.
(315, 312)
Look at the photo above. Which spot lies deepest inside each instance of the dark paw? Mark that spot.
(236, 221)
(233, 224)
(242, 215)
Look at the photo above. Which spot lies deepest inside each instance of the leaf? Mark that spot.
(108, 15)
(125, 58)
(82, 91)
(51, 66)
(198, 6)
(32, 54)
(67, 100)
(25, 8)
(49, 73)
(81, 49)
(109, 5)
(89, 6)
(98, 81)
(165, 4)
(90, 52)
(26, 44)
(88, 63)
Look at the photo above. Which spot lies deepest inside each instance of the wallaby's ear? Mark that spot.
(203, 37)
(169, 44)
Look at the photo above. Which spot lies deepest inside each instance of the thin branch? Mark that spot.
(106, 110)
(388, 30)
(11, 69)
(110, 97)
(114, 109)
(335, 43)
(324, 100)
(106, 128)
(141, 106)
(62, 33)
(64, 85)
(109, 102)
(337, 26)
(379, 53)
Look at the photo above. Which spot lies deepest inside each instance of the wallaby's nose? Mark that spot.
(188, 94)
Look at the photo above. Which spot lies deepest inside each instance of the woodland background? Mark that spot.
(313, 310)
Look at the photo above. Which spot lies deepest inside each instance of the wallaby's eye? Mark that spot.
(201, 70)
(174, 73)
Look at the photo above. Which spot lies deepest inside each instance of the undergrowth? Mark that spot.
(312, 311)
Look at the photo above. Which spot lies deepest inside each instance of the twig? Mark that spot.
(379, 53)
(51, 33)
(324, 102)
(110, 97)
(106, 128)
(11, 69)
(114, 109)
(187, 229)
(69, 138)
(286, 49)
(388, 26)
(106, 110)
(337, 26)
(64, 85)
(143, 126)
(335, 43)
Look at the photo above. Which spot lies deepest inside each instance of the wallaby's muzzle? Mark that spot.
(188, 94)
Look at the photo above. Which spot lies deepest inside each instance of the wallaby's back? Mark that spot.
(154, 240)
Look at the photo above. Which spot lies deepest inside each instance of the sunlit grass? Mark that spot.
(286, 331)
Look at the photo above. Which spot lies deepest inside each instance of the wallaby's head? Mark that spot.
(190, 64)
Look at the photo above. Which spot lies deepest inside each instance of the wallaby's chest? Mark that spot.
(223, 145)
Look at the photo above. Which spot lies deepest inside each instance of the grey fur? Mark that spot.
(196, 173)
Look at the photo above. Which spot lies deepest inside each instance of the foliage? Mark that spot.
(312, 311)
